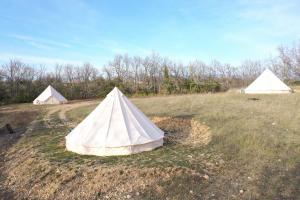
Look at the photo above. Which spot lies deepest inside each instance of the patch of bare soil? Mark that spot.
(184, 131)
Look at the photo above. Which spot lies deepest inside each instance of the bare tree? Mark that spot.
(249, 70)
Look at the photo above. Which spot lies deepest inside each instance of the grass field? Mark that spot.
(253, 152)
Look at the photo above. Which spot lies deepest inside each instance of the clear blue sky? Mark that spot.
(81, 30)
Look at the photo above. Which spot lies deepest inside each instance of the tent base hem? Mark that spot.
(47, 103)
(266, 92)
(114, 151)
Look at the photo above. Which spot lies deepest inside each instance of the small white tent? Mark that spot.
(50, 96)
(115, 127)
(267, 83)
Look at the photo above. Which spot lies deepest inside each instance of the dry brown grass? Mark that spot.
(216, 146)
(184, 131)
(39, 178)
(47, 181)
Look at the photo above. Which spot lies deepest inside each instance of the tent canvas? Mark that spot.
(50, 96)
(267, 83)
(114, 127)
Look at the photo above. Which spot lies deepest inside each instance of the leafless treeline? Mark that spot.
(20, 82)
(153, 74)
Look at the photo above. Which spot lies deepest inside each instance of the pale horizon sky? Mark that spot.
(78, 31)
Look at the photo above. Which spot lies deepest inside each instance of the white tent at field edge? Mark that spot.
(115, 127)
(50, 96)
(267, 83)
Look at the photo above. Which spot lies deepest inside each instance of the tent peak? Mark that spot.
(115, 91)
(267, 70)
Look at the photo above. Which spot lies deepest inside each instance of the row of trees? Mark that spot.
(153, 74)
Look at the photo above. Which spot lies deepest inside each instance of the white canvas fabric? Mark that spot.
(267, 83)
(115, 127)
(50, 96)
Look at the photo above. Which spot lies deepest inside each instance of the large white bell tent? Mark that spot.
(50, 96)
(267, 83)
(115, 127)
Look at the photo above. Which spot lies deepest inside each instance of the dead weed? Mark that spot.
(183, 131)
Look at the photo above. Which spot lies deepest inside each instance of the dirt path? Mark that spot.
(63, 109)
(62, 114)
